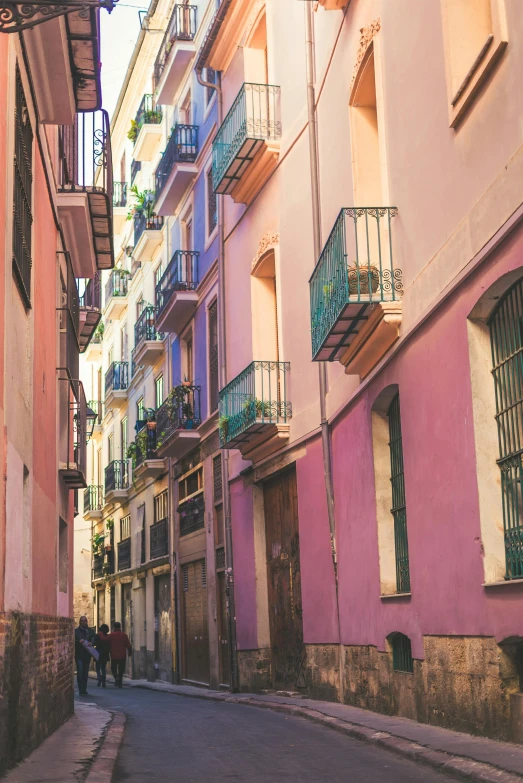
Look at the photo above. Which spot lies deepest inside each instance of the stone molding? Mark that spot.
(268, 242)
(366, 36)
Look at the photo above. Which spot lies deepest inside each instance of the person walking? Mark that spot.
(120, 647)
(102, 644)
(83, 638)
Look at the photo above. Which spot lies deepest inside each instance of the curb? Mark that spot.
(461, 767)
(102, 768)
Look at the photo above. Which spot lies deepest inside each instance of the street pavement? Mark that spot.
(174, 738)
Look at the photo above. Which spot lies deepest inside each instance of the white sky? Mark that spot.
(119, 31)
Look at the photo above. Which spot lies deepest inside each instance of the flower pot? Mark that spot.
(359, 278)
(189, 424)
(151, 425)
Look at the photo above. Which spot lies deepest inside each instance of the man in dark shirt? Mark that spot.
(120, 648)
(83, 636)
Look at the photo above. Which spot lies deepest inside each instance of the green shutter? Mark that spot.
(398, 510)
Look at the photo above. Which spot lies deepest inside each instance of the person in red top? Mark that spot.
(120, 647)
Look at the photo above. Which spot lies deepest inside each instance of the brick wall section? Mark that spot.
(36, 681)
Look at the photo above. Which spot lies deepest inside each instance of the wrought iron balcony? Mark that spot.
(173, 173)
(136, 166)
(93, 499)
(175, 51)
(176, 299)
(251, 128)
(147, 340)
(85, 171)
(119, 194)
(146, 129)
(97, 407)
(98, 566)
(117, 476)
(145, 445)
(124, 554)
(148, 113)
(143, 223)
(90, 309)
(159, 539)
(73, 469)
(116, 290)
(116, 381)
(255, 405)
(192, 515)
(176, 422)
(354, 273)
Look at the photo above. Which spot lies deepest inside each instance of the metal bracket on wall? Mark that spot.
(18, 16)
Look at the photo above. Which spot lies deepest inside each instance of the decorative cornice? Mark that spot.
(366, 36)
(268, 241)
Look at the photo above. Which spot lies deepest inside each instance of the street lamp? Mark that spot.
(91, 421)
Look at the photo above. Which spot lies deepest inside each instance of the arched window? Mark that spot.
(401, 653)
(506, 338)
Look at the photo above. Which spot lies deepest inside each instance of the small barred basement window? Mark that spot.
(401, 653)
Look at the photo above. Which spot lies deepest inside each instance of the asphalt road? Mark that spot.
(174, 738)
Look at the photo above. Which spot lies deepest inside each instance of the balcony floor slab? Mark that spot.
(377, 335)
(260, 440)
(115, 307)
(148, 244)
(179, 443)
(172, 192)
(115, 399)
(148, 142)
(148, 352)
(149, 468)
(177, 63)
(179, 309)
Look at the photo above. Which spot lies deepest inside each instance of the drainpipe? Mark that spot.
(322, 367)
(229, 563)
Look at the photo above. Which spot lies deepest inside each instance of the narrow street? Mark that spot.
(173, 738)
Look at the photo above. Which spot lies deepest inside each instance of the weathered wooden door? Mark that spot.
(127, 620)
(100, 608)
(162, 627)
(195, 622)
(223, 630)
(284, 581)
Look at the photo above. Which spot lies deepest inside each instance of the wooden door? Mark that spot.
(223, 630)
(127, 620)
(100, 608)
(195, 622)
(284, 581)
(162, 627)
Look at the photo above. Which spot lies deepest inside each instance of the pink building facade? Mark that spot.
(412, 606)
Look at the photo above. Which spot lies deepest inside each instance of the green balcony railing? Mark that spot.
(355, 271)
(253, 119)
(257, 397)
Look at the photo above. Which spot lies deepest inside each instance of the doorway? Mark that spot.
(162, 627)
(127, 621)
(284, 581)
(195, 623)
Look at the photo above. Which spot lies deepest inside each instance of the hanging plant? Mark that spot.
(110, 524)
(97, 544)
(133, 132)
(143, 203)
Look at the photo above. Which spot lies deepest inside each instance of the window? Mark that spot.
(506, 338)
(209, 92)
(140, 304)
(213, 356)
(192, 507)
(161, 507)
(401, 653)
(212, 204)
(365, 134)
(398, 508)
(185, 110)
(188, 368)
(63, 556)
(140, 410)
(158, 272)
(123, 432)
(125, 527)
(475, 39)
(110, 356)
(22, 196)
(187, 233)
(158, 389)
(110, 452)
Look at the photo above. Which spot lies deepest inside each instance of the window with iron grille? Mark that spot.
(506, 337)
(161, 510)
(213, 356)
(22, 196)
(125, 527)
(398, 510)
(209, 92)
(212, 205)
(204, 574)
(140, 410)
(158, 390)
(401, 653)
(185, 578)
(217, 478)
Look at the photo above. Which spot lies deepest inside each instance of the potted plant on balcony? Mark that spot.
(150, 418)
(133, 132)
(142, 442)
(223, 426)
(143, 203)
(97, 544)
(187, 412)
(131, 453)
(363, 278)
(153, 116)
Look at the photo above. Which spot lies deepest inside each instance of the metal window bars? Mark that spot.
(136, 166)
(117, 284)
(124, 555)
(97, 407)
(399, 509)
(143, 223)
(401, 653)
(182, 147)
(117, 377)
(181, 27)
(180, 411)
(117, 475)
(145, 445)
(93, 496)
(192, 515)
(119, 194)
(148, 113)
(145, 326)
(355, 271)
(22, 193)
(181, 275)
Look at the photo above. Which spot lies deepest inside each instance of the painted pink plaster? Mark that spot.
(3, 163)
(244, 565)
(318, 589)
(45, 519)
(433, 375)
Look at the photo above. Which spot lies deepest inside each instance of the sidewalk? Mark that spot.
(469, 757)
(66, 756)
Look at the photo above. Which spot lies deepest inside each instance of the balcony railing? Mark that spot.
(124, 554)
(117, 475)
(182, 27)
(85, 166)
(93, 498)
(180, 411)
(98, 566)
(119, 194)
(182, 147)
(253, 118)
(145, 326)
(145, 445)
(89, 292)
(143, 223)
(136, 166)
(257, 396)
(180, 275)
(355, 271)
(117, 284)
(148, 113)
(74, 469)
(159, 539)
(192, 515)
(97, 407)
(117, 377)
